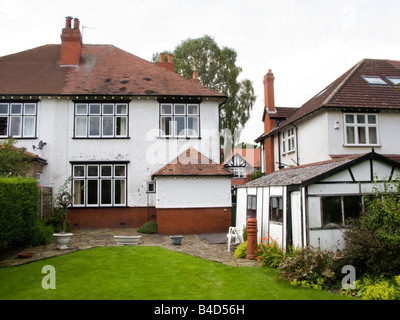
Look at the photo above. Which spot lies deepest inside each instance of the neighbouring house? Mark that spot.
(326, 156)
(242, 163)
(112, 121)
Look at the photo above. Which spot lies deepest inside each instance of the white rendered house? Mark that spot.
(111, 120)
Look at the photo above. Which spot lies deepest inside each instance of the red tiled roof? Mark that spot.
(192, 163)
(103, 70)
(351, 91)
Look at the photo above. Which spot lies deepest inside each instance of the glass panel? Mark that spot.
(30, 108)
(81, 109)
(92, 194)
(166, 126)
(122, 108)
(79, 171)
(3, 126)
(15, 125)
(350, 135)
(193, 109)
(108, 109)
(93, 171)
(193, 126)
(166, 109)
(179, 109)
(94, 126)
(352, 206)
(119, 192)
(360, 118)
(80, 127)
(3, 108)
(180, 126)
(372, 119)
(119, 171)
(79, 192)
(373, 138)
(121, 127)
(106, 171)
(349, 118)
(29, 126)
(16, 108)
(108, 126)
(362, 139)
(106, 192)
(331, 210)
(94, 108)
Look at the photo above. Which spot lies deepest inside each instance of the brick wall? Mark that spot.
(111, 217)
(193, 220)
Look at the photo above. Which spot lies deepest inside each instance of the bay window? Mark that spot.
(99, 184)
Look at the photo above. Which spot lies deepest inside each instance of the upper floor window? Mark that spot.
(101, 120)
(361, 129)
(179, 120)
(18, 120)
(288, 141)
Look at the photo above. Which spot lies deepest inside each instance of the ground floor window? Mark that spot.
(99, 184)
(276, 209)
(337, 210)
(251, 206)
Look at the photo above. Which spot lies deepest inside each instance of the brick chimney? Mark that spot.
(194, 78)
(166, 65)
(71, 43)
(269, 124)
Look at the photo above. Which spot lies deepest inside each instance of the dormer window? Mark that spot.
(374, 80)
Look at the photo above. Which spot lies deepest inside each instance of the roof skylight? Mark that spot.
(373, 80)
(394, 80)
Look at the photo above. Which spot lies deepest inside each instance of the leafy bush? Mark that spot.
(43, 233)
(269, 254)
(13, 161)
(149, 227)
(56, 221)
(311, 267)
(241, 250)
(18, 211)
(373, 241)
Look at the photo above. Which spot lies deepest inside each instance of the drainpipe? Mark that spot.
(297, 145)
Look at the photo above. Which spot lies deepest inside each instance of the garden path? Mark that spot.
(204, 246)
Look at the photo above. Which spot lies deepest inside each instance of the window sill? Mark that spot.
(179, 138)
(363, 145)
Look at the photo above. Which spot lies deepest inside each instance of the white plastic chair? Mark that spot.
(234, 234)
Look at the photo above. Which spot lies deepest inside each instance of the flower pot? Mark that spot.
(127, 239)
(176, 240)
(25, 255)
(62, 239)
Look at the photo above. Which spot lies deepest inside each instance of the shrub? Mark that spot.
(18, 211)
(269, 254)
(373, 241)
(241, 250)
(149, 227)
(311, 267)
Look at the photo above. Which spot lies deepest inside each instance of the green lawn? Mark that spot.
(147, 273)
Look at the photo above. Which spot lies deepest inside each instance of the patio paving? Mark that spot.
(208, 246)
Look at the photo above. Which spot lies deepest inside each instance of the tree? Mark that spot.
(13, 161)
(216, 69)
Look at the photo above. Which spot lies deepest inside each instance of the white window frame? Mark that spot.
(357, 126)
(84, 113)
(21, 117)
(99, 177)
(190, 114)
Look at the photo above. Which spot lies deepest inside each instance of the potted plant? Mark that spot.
(63, 200)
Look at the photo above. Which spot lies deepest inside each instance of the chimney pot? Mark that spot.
(269, 96)
(195, 77)
(169, 58)
(76, 23)
(161, 59)
(68, 22)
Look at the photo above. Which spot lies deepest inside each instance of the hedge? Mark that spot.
(18, 211)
